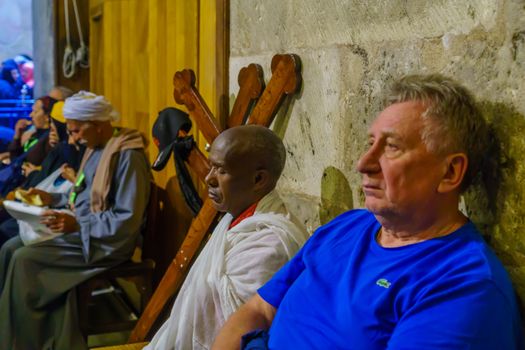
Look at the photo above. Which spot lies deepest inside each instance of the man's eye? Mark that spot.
(391, 146)
(221, 171)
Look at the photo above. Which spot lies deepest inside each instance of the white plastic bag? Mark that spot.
(48, 184)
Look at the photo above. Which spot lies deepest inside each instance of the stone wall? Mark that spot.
(349, 51)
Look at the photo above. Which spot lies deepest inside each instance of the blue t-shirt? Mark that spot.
(344, 291)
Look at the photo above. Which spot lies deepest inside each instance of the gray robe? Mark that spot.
(38, 302)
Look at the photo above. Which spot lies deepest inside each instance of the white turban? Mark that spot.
(86, 106)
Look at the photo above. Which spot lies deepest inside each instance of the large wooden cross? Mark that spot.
(250, 107)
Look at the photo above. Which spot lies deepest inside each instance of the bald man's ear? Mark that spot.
(455, 169)
(262, 179)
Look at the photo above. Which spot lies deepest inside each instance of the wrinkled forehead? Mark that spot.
(402, 117)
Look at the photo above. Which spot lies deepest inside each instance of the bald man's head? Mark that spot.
(246, 163)
(256, 144)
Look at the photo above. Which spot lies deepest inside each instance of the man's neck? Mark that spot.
(393, 235)
(106, 134)
(245, 214)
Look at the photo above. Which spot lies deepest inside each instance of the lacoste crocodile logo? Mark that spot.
(383, 282)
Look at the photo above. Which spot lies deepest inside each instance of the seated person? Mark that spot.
(37, 282)
(29, 151)
(33, 135)
(57, 132)
(253, 240)
(411, 271)
(64, 153)
(27, 133)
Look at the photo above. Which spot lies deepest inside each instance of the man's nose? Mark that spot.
(210, 179)
(369, 161)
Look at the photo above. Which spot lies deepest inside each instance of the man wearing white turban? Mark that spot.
(37, 282)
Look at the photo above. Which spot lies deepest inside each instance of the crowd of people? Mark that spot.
(409, 271)
(16, 79)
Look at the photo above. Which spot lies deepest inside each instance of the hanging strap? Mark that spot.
(68, 62)
(82, 55)
(181, 150)
(71, 58)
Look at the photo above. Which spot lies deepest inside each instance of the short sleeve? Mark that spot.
(275, 289)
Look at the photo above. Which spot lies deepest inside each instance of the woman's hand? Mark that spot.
(20, 126)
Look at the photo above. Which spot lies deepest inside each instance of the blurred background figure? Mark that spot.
(26, 68)
(10, 80)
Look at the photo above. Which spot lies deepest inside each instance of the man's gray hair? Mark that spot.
(63, 92)
(453, 122)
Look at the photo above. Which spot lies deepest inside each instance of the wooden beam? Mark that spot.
(175, 273)
(251, 85)
(185, 92)
(286, 80)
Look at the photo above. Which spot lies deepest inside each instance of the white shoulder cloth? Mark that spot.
(229, 270)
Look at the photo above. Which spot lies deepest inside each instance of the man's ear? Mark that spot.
(261, 179)
(456, 167)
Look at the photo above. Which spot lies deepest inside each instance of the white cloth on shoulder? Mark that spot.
(86, 106)
(229, 270)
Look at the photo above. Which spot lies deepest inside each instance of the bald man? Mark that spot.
(37, 282)
(254, 238)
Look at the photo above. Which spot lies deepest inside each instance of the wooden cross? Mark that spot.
(250, 105)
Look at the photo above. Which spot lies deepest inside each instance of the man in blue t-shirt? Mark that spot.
(411, 271)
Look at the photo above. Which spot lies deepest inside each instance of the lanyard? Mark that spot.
(29, 143)
(77, 188)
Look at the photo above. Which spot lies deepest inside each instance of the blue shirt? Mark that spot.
(344, 291)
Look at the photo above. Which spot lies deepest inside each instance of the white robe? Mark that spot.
(229, 270)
